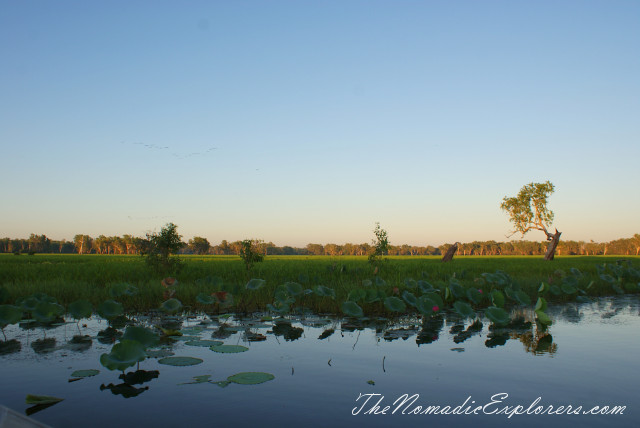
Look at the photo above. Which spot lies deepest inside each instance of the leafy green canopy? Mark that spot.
(528, 210)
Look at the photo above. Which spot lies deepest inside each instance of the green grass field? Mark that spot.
(71, 277)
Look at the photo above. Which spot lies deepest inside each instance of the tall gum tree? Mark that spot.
(528, 210)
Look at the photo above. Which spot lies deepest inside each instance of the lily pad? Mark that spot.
(198, 379)
(204, 343)
(159, 353)
(180, 361)
(85, 373)
(229, 349)
(251, 378)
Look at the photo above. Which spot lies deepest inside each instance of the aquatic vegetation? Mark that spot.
(229, 349)
(85, 373)
(180, 361)
(123, 355)
(110, 309)
(250, 378)
(9, 314)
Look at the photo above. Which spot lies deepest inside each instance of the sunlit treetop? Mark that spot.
(528, 210)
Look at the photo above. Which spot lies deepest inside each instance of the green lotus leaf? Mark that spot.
(42, 399)
(464, 309)
(366, 283)
(4, 295)
(198, 379)
(85, 373)
(146, 337)
(221, 383)
(9, 314)
(410, 283)
(425, 305)
(46, 312)
(80, 309)
(544, 287)
(435, 297)
(203, 343)
(122, 289)
(110, 309)
(394, 304)
(293, 288)
(323, 291)
(458, 290)
(543, 318)
(229, 349)
(180, 361)
(123, 355)
(186, 338)
(425, 286)
(251, 378)
(410, 298)
(617, 288)
(568, 289)
(554, 289)
(255, 284)
(474, 296)
(522, 298)
(608, 278)
(497, 298)
(352, 309)
(541, 304)
(497, 315)
(205, 299)
(171, 306)
(380, 282)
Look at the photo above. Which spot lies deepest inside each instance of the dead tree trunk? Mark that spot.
(448, 256)
(553, 239)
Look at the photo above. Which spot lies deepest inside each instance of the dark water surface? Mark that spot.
(590, 358)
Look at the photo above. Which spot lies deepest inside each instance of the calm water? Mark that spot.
(589, 359)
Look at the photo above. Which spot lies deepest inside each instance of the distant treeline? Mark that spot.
(127, 244)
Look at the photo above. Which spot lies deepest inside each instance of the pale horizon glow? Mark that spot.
(307, 122)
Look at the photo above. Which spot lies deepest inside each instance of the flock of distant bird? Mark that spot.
(179, 155)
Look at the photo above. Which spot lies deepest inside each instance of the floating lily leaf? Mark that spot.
(85, 373)
(541, 304)
(123, 355)
(9, 314)
(159, 353)
(171, 306)
(221, 383)
(110, 309)
(198, 379)
(229, 349)
(42, 399)
(251, 378)
(205, 299)
(180, 361)
(410, 298)
(464, 309)
(203, 343)
(522, 298)
(543, 318)
(352, 309)
(80, 309)
(143, 335)
(394, 304)
(370, 382)
(255, 284)
(323, 291)
(497, 315)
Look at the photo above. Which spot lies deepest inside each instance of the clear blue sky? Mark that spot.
(308, 121)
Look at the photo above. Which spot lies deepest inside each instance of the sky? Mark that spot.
(309, 121)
